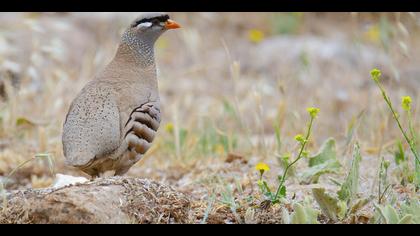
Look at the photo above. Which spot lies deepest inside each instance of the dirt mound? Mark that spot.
(110, 200)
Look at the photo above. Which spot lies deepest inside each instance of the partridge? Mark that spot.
(112, 122)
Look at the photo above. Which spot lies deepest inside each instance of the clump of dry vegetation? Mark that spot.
(233, 98)
(112, 200)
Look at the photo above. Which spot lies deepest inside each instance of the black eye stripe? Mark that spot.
(163, 18)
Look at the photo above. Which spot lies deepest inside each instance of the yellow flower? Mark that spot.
(300, 138)
(406, 103)
(373, 34)
(262, 167)
(169, 127)
(313, 111)
(219, 149)
(375, 74)
(255, 36)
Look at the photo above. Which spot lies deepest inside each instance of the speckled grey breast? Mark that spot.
(92, 127)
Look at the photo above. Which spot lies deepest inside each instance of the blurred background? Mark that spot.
(234, 86)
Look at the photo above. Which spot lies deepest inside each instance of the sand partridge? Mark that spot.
(113, 120)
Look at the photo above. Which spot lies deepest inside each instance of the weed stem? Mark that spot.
(303, 145)
(409, 141)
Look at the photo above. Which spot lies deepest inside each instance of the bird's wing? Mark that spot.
(141, 127)
(138, 134)
(92, 126)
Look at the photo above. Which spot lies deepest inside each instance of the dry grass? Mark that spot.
(222, 98)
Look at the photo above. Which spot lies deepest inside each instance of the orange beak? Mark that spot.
(170, 24)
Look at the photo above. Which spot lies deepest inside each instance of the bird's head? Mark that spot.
(149, 26)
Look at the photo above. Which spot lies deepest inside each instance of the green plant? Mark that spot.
(304, 215)
(399, 154)
(274, 197)
(40, 156)
(323, 162)
(262, 184)
(287, 23)
(349, 189)
(330, 205)
(229, 200)
(403, 170)
(412, 207)
(383, 185)
(178, 138)
(388, 215)
(346, 202)
(281, 189)
(211, 201)
(406, 104)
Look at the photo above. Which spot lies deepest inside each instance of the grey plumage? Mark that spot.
(113, 120)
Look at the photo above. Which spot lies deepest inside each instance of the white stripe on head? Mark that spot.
(144, 25)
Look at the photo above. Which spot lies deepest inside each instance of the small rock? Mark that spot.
(66, 180)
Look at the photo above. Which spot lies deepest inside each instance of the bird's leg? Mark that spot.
(94, 176)
(97, 174)
(106, 174)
